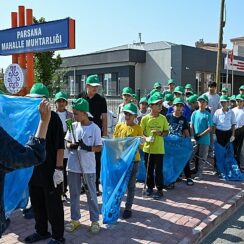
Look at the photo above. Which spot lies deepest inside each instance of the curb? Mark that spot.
(209, 224)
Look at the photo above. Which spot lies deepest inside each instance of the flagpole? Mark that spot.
(232, 73)
(227, 71)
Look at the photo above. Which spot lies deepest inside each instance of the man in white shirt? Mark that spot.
(239, 132)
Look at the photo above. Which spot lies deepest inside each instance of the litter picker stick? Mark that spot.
(70, 128)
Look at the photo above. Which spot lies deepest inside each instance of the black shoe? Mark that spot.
(54, 241)
(127, 214)
(99, 193)
(158, 195)
(189, 182)
(149, 192)
(28, 213)
(37, 237)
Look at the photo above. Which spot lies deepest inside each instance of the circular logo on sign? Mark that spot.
(14, 78)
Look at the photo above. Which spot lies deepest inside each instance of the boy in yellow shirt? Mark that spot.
(126, 129)
(154, 126)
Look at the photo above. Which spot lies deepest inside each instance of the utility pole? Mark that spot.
(220, 43)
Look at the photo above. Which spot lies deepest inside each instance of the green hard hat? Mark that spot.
(241, 87)
(38, 90)
(224, 98)
(170, 81)
(130, 108)
(169, 97)
(61, 95)
(152, 92)
(157, 84)
(179, 89)
(188, 86)
(143, 100)
(135, 96)
(189, 92)
(156, 97)
(93, 80)
(178, 100)
(232, 98)
(224, 89)
(239, 97)
(127, 91)
(192, 98)
(203, 97)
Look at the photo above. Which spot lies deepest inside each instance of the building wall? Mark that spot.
(156, 68)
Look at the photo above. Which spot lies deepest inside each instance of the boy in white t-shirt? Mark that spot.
(83, 141)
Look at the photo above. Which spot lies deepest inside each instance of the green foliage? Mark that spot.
(46, 65)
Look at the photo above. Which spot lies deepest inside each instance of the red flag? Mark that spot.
(231, 56)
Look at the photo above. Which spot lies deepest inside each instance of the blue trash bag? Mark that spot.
(178, 151)
(141, 173)
(226, 163)
(116, 166)
(19, 116)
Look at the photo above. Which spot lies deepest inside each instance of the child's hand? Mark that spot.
(150, 139)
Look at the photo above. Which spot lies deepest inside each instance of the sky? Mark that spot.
(102, 24)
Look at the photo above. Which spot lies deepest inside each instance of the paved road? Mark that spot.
(230, 231)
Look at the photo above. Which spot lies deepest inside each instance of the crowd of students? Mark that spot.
(176, 111)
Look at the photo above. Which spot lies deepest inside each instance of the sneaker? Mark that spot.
(72, 225)
(127, 214)
(54, 241)
(198, 177)
(189, 182)
(99, 193)
(95, 227)
(149, 192)
(35, 237)
(158, 195)
(64, 198)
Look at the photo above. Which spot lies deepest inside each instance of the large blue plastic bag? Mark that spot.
(226, 163)
(141, 173)
(19, 116)
(117, 163)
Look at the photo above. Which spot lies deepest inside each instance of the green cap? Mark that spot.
(224, 89)
(169, 97)
(239, 97)
(192, 98)
(156, 97)
(179, 89)
(170, 81)
(152, 92)
(38, 90)
(232, 98)
(166, 92)
(93, 80)
(241, 87)
(189, 92)
(130, 108)
(224, 98)
(135, 96)
(188, 86)
(82, 105)
(203, 97)
(178, 100)
(127, 91)
(157, 84)
(61, 95)
(143, 100)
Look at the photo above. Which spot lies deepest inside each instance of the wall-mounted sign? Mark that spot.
(14, 78)
(52, 35)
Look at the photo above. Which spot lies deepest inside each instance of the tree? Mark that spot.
(46, 65)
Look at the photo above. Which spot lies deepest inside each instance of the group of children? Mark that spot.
(176, 111)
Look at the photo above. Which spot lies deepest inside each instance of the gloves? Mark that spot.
(150, 139)
(83, 146)
(214, 137)
(58, 177)
(232, 138)
(73, 146)
(197, 137)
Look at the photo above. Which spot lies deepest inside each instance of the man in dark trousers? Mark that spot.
(45, 185)
(98, 109)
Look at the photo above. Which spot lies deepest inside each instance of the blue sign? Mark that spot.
(40, 37)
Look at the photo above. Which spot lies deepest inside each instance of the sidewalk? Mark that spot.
(185, 215)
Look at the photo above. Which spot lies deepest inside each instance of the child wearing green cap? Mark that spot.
(61, 102)
(143, 108)
(154, 126)
(83, 140)
(126, 129)
(201, 124)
